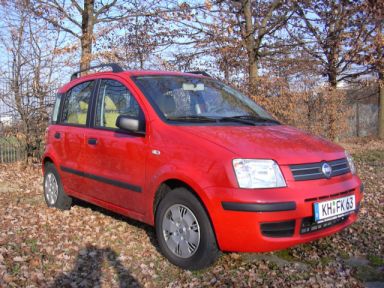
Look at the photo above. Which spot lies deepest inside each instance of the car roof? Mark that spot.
(129, 73)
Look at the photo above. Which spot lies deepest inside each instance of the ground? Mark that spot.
(91, 247)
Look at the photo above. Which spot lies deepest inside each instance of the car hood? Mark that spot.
(284, 144)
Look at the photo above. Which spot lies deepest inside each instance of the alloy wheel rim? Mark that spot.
(181, 231)
(51, 188)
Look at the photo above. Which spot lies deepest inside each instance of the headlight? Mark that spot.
(350, 163)
(257, 173)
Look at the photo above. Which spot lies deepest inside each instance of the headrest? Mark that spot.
(109, 104)
(166, 103)
(83, 106)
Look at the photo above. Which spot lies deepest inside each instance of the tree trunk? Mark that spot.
(381, 106)
(381, 83)
(332, 78)
(250, 45)
(87, 24)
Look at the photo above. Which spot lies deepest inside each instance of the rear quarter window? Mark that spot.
(56, 108)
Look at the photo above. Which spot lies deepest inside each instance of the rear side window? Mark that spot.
(113, 100)
(55, 112)
(76, 104)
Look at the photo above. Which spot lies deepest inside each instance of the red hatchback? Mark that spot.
(204, 164)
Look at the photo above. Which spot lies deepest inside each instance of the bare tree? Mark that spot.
(28, 73)
(235, 34)
(135, 41)
(334, 34)
(80, 20)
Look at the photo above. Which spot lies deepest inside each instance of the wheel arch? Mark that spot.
(49, 157)
(46, 159)
(172, 183)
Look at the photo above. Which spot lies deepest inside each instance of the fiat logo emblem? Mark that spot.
(326, 169)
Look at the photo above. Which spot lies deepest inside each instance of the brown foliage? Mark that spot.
(322, 111)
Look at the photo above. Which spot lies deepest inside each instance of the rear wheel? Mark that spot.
(184, 232)
(54, 194)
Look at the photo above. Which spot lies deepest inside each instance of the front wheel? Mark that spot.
(184, 232)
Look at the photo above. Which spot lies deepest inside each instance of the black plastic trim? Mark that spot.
(259, 207)
(102, 179)
(204, 73)
(278, 229)
(115, 68)
(313, 171)
(308, 225)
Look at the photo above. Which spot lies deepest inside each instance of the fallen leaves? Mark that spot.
(88, 246)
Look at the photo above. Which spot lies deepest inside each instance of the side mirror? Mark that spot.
(130, 124)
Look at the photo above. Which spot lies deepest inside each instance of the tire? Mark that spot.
(54, 194)
(184, 231)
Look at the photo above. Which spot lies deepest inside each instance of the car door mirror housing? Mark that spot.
(130, 124)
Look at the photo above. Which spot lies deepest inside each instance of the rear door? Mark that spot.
(70, 133)
(114, 161)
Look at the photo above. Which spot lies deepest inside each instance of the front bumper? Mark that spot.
(246, 220)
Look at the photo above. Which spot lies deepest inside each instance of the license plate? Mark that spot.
(335, 208)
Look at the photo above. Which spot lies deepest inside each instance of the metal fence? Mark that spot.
(11, 151)
(12, 131)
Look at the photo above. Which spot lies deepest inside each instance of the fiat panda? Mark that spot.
(206, 166)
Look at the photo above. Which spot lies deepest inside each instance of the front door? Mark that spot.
(114, 161)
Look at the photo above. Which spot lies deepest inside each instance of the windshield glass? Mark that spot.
(192, 98)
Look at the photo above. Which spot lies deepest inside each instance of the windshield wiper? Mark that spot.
(249, 119)
(244, 119)
(197, 118)
(236, 119)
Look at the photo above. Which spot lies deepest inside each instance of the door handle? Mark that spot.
(92, 141)
(57, 135)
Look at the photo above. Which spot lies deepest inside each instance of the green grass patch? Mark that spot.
(370, 156)
(32, 243)
(368, 273)
(285, 254)
(15, 269)
(376, 260)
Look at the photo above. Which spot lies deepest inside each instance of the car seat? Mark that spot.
(110, 112)
(166, 103)
(80, 116)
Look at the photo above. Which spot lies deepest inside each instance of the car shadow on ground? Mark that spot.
(149, 230)
(87, 271)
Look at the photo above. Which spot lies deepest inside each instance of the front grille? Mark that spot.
(278, 229)
(335, 195)
(308, 225)
(313, 171)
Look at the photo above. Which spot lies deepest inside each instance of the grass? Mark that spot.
(32, 243)
(376, 261)
(371, 156)
(285, 254)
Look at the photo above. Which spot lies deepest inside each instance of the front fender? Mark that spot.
(170, 172)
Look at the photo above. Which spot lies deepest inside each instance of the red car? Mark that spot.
(204, 164)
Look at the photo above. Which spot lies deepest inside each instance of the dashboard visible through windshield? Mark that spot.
(200, 100)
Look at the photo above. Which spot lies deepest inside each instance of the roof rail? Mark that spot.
(115, 68)
(200, 72)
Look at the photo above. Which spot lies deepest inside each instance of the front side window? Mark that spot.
(75, 106)
(194, 99)
(114, 99)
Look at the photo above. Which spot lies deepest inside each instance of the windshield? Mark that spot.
(184, 98)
